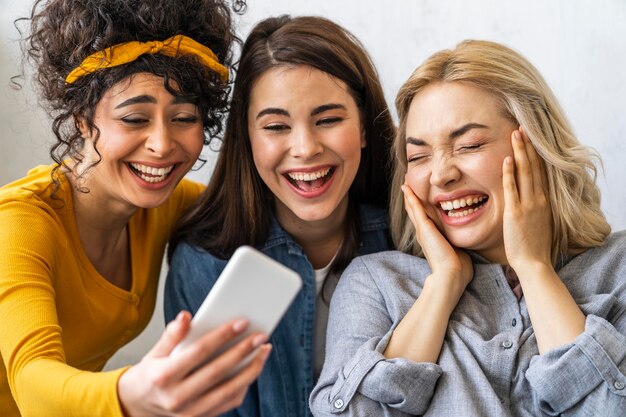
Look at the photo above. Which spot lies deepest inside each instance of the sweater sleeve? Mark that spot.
(357, 380)
(587, 375)
(41, 382)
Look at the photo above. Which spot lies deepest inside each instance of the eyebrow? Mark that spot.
(272, 110)
(150, 99)
(314, 112)
(464, 129)
(136, 100)
(453, 135)
(326, 107)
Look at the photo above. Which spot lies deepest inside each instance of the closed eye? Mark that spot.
(416, 158)
(278, 128)
(469, 147)
(134, 121)
(186, 119)
(328, 121)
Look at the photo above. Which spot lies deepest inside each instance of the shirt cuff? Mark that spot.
(566, 375)
(397, 383)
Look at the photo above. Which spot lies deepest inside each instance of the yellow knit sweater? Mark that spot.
(60, 320)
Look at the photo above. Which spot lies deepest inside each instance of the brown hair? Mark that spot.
(63, 33)
(236, 207)
(578, 221)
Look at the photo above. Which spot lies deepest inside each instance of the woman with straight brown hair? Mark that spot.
(304, 176)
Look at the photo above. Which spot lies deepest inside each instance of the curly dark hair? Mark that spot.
(64, 32)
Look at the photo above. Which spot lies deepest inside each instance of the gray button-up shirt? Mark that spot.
(489, 364)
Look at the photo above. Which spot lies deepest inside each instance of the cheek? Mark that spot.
(190, 141)
(265, 154)
(347, 143)
(417, 179)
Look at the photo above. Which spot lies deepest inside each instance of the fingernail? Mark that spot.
(259, 340)
(508, 160)
(265, 353)
(403, 188)
(517, 135)
(239, 325)
(181, 315)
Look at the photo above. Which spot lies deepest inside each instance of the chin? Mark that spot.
(463, 242)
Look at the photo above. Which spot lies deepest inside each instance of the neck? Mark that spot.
(102, 228)
(319, 239)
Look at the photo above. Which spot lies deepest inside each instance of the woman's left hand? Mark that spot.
(554, 314)
(527, 217)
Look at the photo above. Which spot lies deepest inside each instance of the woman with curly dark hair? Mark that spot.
(134, 89)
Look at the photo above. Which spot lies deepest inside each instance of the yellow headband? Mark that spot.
(124, 53)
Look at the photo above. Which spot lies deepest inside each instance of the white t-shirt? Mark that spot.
(321, 319)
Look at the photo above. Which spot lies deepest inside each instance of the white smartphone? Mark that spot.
(252, 286)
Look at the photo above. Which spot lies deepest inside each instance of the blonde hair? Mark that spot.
(578, 222)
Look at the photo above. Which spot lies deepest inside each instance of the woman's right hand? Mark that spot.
(419, 335)
(164, 385)
(445, 261)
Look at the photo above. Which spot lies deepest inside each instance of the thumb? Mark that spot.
(174, 332)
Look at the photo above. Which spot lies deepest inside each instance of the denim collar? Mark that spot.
(371, 218)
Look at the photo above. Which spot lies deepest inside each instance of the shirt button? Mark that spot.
(338, 403)
(507, 344)
(514, 322)
(619, 385)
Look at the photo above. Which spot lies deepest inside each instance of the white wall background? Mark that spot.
(578, 45)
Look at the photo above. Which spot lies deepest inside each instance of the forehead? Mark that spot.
(137, 83)
(447, 105)
(302, 85)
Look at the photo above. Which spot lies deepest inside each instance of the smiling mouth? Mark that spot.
(463, 206)
(149, 174)
(310, 181)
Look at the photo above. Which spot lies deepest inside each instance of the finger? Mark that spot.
(536, 163)
(408, 208)
(223, 366)
(230, 393)
(415, 206)
(174, 332)
(216, 371)
(198, 352)
(511, 197)
(523, 172)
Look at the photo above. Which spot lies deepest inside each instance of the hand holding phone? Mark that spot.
(252, 286)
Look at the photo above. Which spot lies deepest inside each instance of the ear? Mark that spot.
(81, 125)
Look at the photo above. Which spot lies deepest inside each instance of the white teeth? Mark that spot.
(308, 176)
(152, 170)
(462, 213)
(459, 203)
(151, 174)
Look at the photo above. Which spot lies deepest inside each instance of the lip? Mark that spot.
(151, 185)
(456, 195)
(318, 191)
(308, 169)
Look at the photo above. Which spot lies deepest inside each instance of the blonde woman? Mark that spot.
(509, 294)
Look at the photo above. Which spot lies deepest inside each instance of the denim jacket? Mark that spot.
(284, 386)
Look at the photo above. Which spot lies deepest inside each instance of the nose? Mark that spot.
(160, 141)
(305, 145)
(444, 170)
